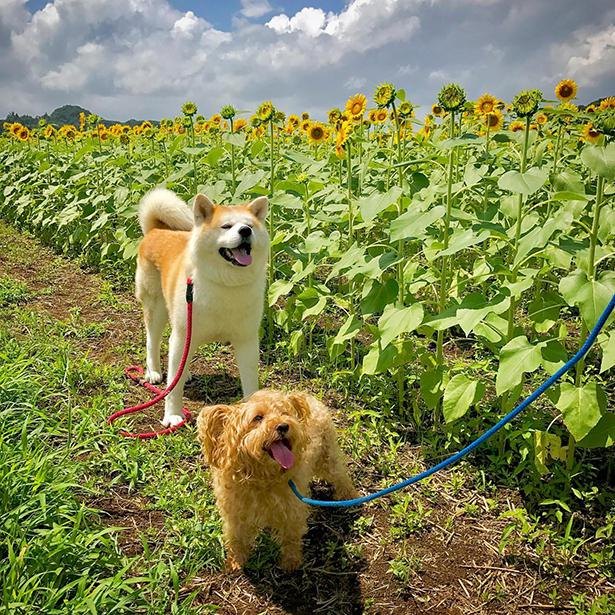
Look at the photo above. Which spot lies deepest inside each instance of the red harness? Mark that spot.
(134, 372)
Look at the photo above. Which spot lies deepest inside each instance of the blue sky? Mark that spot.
(143, 58)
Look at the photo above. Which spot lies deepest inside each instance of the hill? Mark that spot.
(67, 114)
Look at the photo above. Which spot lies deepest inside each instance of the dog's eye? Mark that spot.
(258, 418)
(226, 226)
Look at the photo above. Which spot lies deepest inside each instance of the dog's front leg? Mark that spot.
(246, 354)
(173, 402)
(238, 538)
(290, 533)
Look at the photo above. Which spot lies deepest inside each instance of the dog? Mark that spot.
(253, 449)
(225, 251)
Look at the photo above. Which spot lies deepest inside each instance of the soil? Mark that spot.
(458, 568)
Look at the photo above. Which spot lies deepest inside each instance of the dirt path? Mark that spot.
(444, 560)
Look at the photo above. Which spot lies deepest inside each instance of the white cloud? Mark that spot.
(143, 58)
(255, 8)
(592, 56)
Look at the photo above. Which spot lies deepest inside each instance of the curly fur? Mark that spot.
(251, 488)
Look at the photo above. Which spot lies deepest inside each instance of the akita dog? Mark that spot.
(224, 250)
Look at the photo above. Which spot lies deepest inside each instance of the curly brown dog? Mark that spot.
(254, 448)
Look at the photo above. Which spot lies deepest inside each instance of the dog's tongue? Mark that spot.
(282, 454)
(241, 256)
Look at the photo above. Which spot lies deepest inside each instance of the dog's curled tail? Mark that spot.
(162, 208)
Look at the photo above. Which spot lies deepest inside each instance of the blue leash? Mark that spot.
(485, 436)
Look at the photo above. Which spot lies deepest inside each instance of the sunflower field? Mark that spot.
(438, 268)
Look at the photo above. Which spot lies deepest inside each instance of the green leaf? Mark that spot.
(414, 223)
(554, 356)
(377, 361)
(249, 181)
(608, 352)
(523, 183)
(544, 309)
(581, 407)
(602, 435)
(600, 159)
(461, 392)
(516, 358)
(377, 295)
(590, 296)
(348, 330)
(277, 289)
(395, 321)
(214, 155)
(462, 239)
(431, 387)
(376, 202)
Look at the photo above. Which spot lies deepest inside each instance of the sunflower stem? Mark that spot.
(513, 252)
(234, 180)
(591, 264)
(447, 224)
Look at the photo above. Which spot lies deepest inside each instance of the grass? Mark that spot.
(93, 523)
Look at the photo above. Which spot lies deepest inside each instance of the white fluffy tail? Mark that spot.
(162, 208)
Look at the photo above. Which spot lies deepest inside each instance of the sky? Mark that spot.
(142, 59)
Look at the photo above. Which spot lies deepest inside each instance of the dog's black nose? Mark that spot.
(282, 428)
(245, 231)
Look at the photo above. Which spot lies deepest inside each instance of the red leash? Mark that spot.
(134, 372)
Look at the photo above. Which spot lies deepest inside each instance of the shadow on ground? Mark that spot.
(328, 581)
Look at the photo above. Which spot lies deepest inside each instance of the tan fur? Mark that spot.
(251, 488)
(228, 299)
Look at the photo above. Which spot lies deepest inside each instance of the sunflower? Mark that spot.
(189, 108)
(541, 119)
(216, 118)
(493, 121)
(371, 116)
(384, 94)
(340, 152)
(145, 124)
(566, 90)
(343, 132)
(437, 110)
(23, 134)
(305, 115)
(50, 132)
(316, 133)
(452, 97)
(334, 116)
(305, 125)
(294, 121)
(381, 115)
(486, 104)
(265, 111)
(406, 110)
(356, 105)
(15, 128)
(590, 134)
(228, 112)
(68, 131)
(81, 120)
(607, 103)
(526, 102)
(590, 109)
(516, 126)
(240, 124)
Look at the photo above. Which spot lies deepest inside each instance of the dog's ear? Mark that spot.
(210, 428)
(259, 207)
(203, 209)
(301, 405)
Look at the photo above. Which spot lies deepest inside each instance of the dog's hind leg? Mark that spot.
(149, 293)
(246, 354)
(333, 469)
(155, 316)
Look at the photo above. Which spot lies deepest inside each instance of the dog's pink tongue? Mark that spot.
(282, 454)
(241, 256)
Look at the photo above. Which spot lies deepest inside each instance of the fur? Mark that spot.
(228, 294)
(251, 487)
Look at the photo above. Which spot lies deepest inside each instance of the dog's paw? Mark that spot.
(290, 561)
(152, 376)
(232, 564)
(171, 420)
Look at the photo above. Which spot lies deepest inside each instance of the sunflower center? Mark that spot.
(487, 107)
(317, 133)
(565, 91)
(492, 120)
